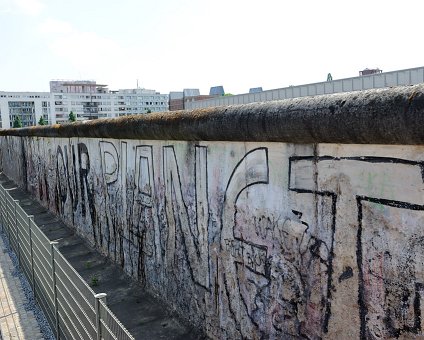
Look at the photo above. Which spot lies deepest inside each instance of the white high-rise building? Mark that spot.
(28, 106)
(89, 100)
(86, 99)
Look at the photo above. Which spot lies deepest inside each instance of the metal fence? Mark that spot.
(71, 307)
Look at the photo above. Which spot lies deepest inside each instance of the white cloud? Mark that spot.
(56, 27)
(90, 54)
(5, 6)
(30, 7)
(274, 45)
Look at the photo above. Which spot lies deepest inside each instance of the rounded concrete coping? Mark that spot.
(379, 116)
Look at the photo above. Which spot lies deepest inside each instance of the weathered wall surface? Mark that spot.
(248, 239)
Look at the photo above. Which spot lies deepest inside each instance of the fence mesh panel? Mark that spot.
(58, 288)
(116, 328)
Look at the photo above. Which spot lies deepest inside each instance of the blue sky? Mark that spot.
(170, 45)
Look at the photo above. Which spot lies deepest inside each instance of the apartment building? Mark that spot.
(133, 101)
(86, 99)
(28, 106)
(89, 100)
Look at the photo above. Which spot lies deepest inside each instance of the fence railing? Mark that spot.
(72, 308)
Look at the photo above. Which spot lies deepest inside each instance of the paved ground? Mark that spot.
(141, 313)
(16, 322)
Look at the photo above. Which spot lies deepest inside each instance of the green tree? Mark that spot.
(228, 94)
(42, 121)
(72, 117)
(149, 111)
(17, 123)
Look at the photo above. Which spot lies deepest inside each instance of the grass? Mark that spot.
(94, 281)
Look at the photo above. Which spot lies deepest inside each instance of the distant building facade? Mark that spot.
(89, 100)
(217, 91)
(28, 106)
(86, 99)
(255, 90)
(136, 101)
(178, 100)
(369, 71)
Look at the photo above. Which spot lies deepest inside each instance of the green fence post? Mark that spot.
(2, 207)
(30, 222)
(56, 310)
(98, 297)
(18, 250)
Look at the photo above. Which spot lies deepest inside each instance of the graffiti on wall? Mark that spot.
(269, 244)
(389, 238)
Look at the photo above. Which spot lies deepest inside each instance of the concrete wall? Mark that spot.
(252, 239)
(380, 80)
